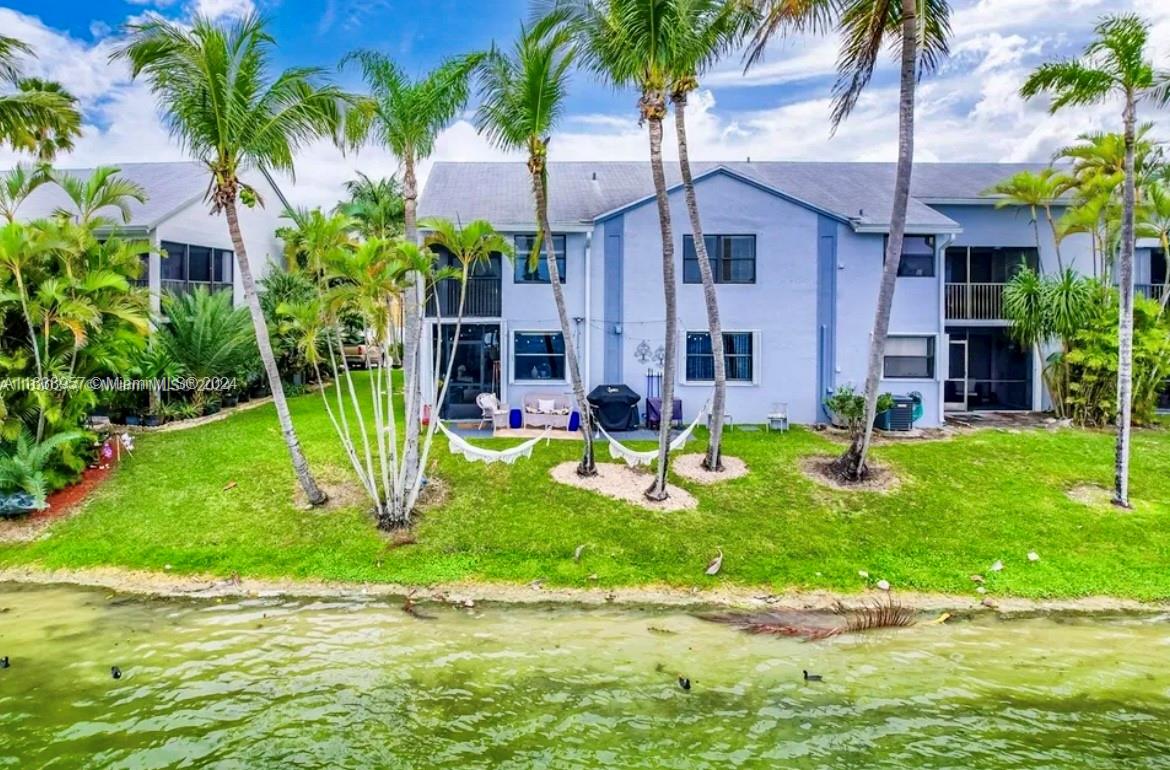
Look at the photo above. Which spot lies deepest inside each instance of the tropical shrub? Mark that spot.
(25, 463)
(847, 408)
(285, 288)
(207, 338)
(1091, 363)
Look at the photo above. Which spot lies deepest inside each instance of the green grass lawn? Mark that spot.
(963, 504)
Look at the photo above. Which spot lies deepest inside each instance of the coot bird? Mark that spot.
(4, 662)
(684, 683)
(115, 672)
(812, 677)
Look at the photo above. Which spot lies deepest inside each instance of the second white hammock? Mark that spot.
(619, 451)
(459, 445)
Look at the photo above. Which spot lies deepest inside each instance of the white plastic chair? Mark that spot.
(778, 417)
(492, 410)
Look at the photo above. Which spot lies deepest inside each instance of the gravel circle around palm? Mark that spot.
(690, 467)
(623, 483)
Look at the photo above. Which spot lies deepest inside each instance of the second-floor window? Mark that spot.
(732, 258)
(525, 271)
(917, 257)
(195, 264)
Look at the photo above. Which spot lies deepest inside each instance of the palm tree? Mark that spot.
(376, 207)
(1156, 224)
(220, 101)
(1036, 191)
(17, 184)
(918, 31)
(407, 115)
(101, 189)
(40, 117)
(471, 246)
(205, 336)
(522, 98)
(629, 43)
(706, 29)
(1114, 64)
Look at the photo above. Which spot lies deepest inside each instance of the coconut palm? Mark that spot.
(1035, 190)
(40, 116)
(705, 30)
(630, 43)
(1115, 64)
(406, 115)
(522, 98)
(918, 31)
(219, 99)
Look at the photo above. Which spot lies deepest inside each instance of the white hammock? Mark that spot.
(620, 452)
(487, 456)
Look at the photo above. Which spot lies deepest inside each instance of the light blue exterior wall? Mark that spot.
(916, 311)
(780, 309)
(810, 310)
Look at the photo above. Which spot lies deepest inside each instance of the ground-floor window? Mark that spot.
(538, 356)
(738, 354)
(909, 358)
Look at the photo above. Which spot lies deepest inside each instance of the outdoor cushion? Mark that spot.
(546, 405)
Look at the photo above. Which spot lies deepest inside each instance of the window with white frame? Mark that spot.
(527, 272)
(538, 356)
(909, 358)
(738, 355)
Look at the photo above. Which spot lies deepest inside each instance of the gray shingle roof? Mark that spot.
(170, 187)
(579, 192)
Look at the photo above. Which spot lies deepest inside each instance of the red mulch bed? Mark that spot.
(61, 503)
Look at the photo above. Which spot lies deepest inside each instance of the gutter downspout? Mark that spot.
(941, 271)
(588, 346)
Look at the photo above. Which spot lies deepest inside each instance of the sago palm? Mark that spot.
(219, 99)
(1115, 64)
(522, 97)
(705, 29)
(406, 115)
(630, 44)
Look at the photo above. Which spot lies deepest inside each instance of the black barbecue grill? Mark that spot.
(615, 407)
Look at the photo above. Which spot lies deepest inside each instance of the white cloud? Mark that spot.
(970, 110)
(221, 9)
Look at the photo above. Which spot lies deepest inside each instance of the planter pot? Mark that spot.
(230, 401)
(133, 419)
(152, 420)
(210, 409)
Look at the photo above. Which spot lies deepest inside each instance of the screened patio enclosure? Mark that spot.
(988, 370)
(475, 370)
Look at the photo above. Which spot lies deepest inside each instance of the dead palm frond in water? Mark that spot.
(877, 614)
(812, 626)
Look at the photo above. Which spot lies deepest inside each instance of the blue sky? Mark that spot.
(969, 111)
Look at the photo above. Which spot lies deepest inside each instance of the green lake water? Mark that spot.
(298, 683)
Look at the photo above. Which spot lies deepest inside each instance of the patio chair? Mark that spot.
(493, 411)
(778, 417)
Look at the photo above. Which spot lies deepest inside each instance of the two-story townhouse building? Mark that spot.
(190, 246)
(797, 250)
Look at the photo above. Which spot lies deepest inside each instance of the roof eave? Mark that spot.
(911, 227)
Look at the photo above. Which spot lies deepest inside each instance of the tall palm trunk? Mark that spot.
(654, 109)
(536, 164)
(853, 463)
(300, 464)
(1055, 237)
(412, 328)
(1125, 320)
(714, 459)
